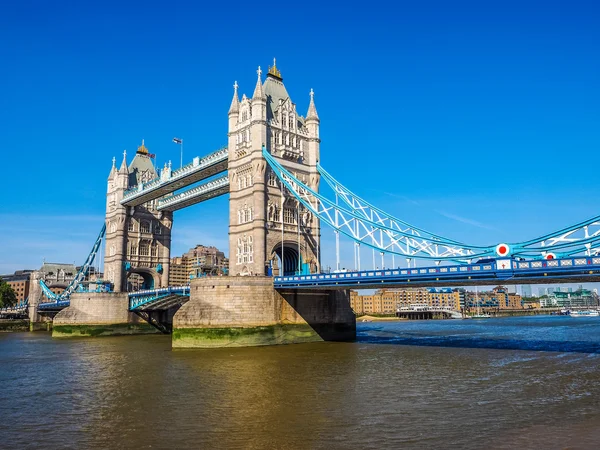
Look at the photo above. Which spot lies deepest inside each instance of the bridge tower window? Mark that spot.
(131, 225)
(145, 227)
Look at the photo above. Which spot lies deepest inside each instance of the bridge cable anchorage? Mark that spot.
(392, 235)
(79, 277)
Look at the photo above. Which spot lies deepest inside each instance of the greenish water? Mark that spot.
(528, 382)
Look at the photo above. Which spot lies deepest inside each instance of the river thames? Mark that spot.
(526, 382)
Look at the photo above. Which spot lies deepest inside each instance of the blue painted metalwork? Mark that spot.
(79, 277)
(171, 180)
(371, 226)
(501, 271)
(148, 296)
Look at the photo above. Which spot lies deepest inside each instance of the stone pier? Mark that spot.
(247, 311)
(98, 314)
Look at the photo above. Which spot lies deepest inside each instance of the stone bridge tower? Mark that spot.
(138, 238)
(265, 228)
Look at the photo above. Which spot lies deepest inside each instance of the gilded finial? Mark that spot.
(142, 149)
(274, 70)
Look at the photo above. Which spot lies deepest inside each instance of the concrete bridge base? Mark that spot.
(248, 311)
(98, 314)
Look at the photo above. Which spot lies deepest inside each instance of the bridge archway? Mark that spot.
(140, 279)
(291, 253)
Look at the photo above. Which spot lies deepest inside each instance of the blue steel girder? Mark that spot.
(143, 298)
(211, 189)
(387, 237)
(369, 225)
(80, 275)
(505, 271)
(172, 180)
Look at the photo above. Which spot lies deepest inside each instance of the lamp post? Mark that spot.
(180, 142)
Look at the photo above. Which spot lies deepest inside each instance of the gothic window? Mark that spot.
(250, 214)
(154, 250)
(250, 180)
(272, 179)
(145, 227)
(133, 249)
(244, 116)
(239, 251)
(289, 215)
(144, 249)
(239, 183)
(131, 226)
(291, 121)
(239, 217)
(157, 229)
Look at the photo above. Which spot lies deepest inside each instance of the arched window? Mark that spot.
(154, 250)
(145, 227)
(157, 229)
(131, 225)
(144, 249)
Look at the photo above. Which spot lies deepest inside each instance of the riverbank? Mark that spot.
(367, 318)
(10, 325)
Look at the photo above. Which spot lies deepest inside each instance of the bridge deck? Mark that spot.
(206, 191)
(570, 270)
(198, 170)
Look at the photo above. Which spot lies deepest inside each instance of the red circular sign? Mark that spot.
(550, 256)
(502, 249)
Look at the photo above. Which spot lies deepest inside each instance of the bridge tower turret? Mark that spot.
(138, 239)
(266, 231)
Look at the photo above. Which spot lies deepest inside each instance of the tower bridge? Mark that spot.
(276, 291)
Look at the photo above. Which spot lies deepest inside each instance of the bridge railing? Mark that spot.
(196, 165)
(199, 190)
(503, 268)
(140, 298)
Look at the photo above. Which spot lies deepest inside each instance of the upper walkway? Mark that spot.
(501, 271)
(172, 180)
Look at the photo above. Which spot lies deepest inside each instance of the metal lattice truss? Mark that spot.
(370, 226)
(373, 227)
(80, 276)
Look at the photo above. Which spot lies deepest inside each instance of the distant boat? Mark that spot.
(585, 313)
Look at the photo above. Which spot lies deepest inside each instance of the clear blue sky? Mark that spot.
(476, 120)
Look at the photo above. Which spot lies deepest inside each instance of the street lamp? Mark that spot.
(180, 142)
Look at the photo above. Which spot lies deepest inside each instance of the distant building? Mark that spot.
(494, 300)
(526, 290)
(388, 301)
(19, 282)
(581, 298)
(198, 261)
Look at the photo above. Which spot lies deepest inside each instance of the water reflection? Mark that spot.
(135, 392)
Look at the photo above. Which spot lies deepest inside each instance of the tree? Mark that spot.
(7, 295)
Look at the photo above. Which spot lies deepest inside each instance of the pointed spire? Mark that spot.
(123, 168)
(113, 169)
(235, 103)
(312, 110)
(258, 90)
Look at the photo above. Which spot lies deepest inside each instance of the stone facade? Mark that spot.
(138, 238)
(248, 311)
(257, 209)
(98, 314)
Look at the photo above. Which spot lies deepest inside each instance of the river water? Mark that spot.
(528, 382)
